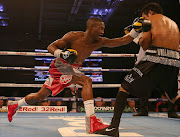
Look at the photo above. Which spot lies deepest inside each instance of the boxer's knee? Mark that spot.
(88, 81)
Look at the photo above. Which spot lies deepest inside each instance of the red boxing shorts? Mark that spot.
(60, 75)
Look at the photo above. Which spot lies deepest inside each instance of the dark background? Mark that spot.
(36, 23)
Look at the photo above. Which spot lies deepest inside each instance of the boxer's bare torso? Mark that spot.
(164, 32)
(86, 42)
(81, 45)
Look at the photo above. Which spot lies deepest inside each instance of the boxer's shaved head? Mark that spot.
(92, 21)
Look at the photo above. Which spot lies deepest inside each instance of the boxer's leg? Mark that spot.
(143, 110)
(32, 98)
(171, 111)
(37, 97)
(176, 100)
(121, 101)
(86, 93)
(92, 122)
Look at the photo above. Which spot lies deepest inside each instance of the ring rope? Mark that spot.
(67, 99)
(49, 54)
(40, 85)
(83, 70)
(80, 99)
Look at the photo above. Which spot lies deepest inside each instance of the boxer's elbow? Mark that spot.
(51, 48)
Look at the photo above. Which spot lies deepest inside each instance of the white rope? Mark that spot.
(46, 69)
(49, 54)
(80, 99)
(40, 85)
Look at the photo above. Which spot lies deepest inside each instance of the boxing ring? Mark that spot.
(72, 124)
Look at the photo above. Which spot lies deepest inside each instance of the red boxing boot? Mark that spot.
(93, 124)
(11, 111)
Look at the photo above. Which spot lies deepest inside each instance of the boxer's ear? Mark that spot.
(150, 13)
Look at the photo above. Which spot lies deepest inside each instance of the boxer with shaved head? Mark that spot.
(71, 51)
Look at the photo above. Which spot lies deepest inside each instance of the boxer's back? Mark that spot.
(165, 32)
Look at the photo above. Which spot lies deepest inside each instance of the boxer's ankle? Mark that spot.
(22, 102)
(89, 107)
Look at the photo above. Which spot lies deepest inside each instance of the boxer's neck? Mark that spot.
(89, 38)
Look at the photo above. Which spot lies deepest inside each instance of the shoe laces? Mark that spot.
(16, 111)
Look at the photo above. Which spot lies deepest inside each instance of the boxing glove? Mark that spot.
(139, 25)
(69, 55)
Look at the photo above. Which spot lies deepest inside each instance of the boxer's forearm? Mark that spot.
(118, 41)
(56, 45)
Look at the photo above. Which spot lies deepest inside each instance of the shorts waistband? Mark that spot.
(74, 64)
(161, 60)
(163, 52)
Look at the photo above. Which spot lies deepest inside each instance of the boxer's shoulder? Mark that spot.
(77, 33)
(156, 17)
(74, 35)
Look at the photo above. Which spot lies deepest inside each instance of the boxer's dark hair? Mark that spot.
(93, 20)
(155, 7)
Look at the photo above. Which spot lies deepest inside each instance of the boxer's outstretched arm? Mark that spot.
(117, 41)
(60, 43)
